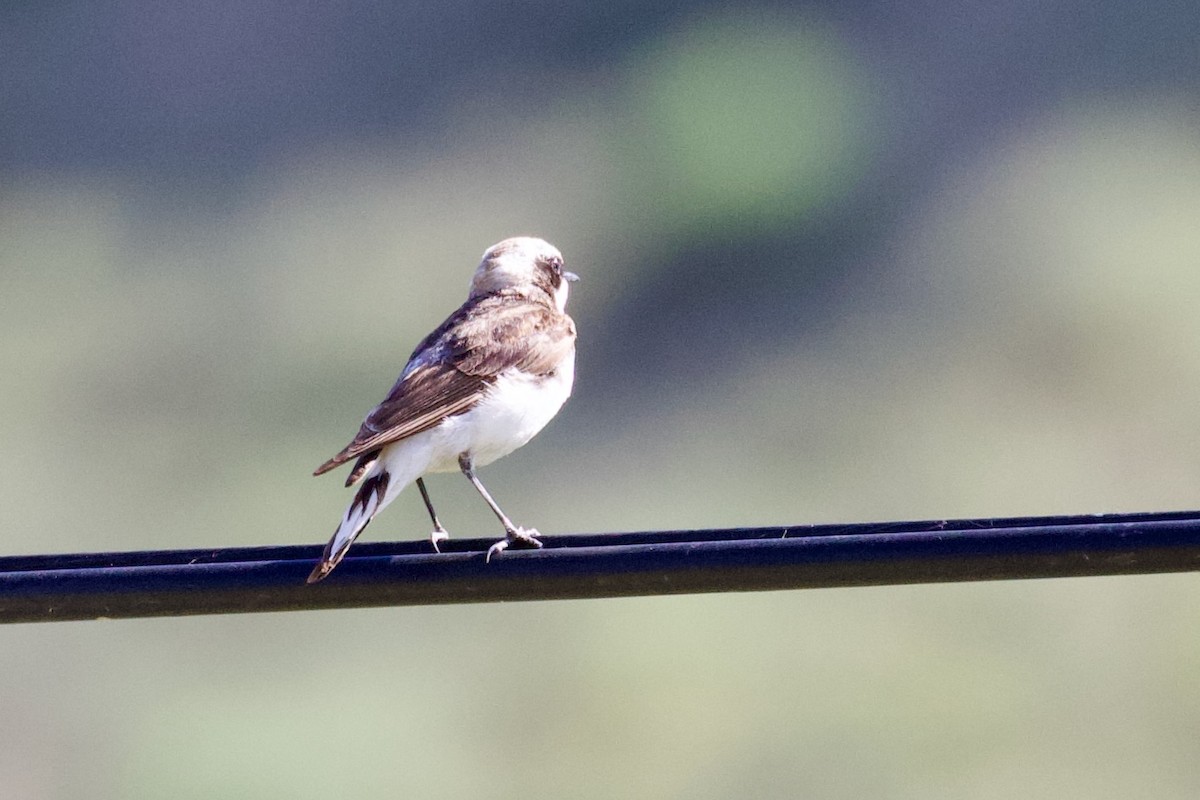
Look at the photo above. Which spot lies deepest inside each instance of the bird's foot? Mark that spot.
(439, 534)
(521, 537)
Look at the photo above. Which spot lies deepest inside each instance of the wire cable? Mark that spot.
(260, 579)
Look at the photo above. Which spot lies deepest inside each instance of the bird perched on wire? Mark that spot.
(480, 386)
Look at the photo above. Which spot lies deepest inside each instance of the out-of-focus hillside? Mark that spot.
(839, 262)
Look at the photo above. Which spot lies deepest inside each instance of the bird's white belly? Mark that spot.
(515, 408)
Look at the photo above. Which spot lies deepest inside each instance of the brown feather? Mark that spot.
(364, 463)
(484, 337)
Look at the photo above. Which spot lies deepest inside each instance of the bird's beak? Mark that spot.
(570, 276)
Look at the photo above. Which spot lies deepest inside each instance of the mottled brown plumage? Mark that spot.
(475, 389)
(484, 337)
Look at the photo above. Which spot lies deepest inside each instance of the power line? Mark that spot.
(258, 579)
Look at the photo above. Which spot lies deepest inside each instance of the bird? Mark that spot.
(478, 387)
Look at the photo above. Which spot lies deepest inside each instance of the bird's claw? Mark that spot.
(439, 534)
(521, 536)
(494, 549)
(525, 536)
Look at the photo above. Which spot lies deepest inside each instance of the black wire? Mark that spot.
(234, 580)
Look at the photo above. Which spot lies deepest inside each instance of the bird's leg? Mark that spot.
(439, 534)
(511, 532)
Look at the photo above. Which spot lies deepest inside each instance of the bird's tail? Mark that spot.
(370, 499)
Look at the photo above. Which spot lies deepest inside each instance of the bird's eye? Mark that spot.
(556, 264)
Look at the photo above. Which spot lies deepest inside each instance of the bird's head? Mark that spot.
(526, 265)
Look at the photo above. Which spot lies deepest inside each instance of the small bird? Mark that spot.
(480, 386)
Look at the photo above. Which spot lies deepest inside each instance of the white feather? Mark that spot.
(511, 412)
(516, 407)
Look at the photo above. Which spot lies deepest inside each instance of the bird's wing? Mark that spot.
(453, 367)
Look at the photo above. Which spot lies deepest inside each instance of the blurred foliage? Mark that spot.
(746, 123)
(840, 262)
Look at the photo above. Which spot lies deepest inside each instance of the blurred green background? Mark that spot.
(840, 262)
